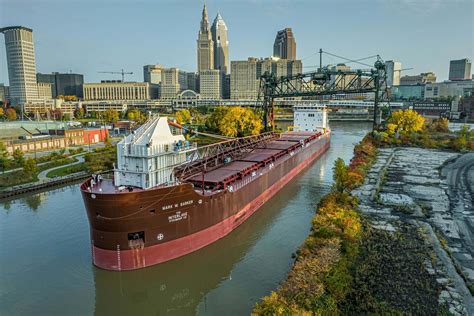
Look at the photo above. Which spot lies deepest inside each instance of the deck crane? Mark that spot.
(122, 72)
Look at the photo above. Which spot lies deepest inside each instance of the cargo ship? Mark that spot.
(167, 197)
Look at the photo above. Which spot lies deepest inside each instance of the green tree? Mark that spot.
(464, 135)
(29, 168)
(79, 113)
(11, 114)
(101, 159)
(18, 157)
(339, 175)
(107, 140)
(111, 116)
(4, 160)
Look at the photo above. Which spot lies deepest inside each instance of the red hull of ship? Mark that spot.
(119, 259)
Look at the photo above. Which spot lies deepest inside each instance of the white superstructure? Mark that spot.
(146, 158)
(309, 118)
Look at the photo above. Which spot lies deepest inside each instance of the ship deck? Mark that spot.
(240, 172)
(231, 176)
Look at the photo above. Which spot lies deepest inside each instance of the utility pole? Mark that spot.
(379, 66)
(320, 60)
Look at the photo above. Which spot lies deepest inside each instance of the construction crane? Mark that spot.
(123, 73)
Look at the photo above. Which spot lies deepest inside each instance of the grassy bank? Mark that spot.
(434, 134)
(21, 177)
(345, 266)
(67, 170)
(322, 278)
(16, 178)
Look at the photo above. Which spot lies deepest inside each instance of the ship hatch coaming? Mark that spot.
(231, 176)
(213, 156)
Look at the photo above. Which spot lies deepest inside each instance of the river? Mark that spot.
(45, 256)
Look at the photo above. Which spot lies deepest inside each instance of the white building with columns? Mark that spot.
(116, 90)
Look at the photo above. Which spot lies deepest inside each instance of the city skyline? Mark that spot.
(88, 44)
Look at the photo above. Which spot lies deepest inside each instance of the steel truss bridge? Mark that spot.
(310, 85)
(323, 82)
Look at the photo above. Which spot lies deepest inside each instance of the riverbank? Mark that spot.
(391, 237)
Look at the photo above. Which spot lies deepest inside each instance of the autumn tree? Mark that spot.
(4, 160)
(70, 98)
(439, 125)
(11, 114)
(405, 121)
(136, 115)
(196, 116)
(183, 116)
(2, 113)
(18, 157)
(234, 121)
(111, 116)
(67, 97)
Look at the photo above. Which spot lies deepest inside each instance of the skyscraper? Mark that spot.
(170, 85)
(285, 44)
(62, 83)
(205, 44)
(245, 74)
(221, 44)
(210, 82)
(152, 73)
(21, 64)
(460, 69)
(393, 69)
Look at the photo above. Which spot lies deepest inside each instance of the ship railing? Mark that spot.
(212, 156)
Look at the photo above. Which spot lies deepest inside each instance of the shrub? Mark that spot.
(439, 125)
(405, 121)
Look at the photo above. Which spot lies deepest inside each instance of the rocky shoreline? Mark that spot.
(429, 191)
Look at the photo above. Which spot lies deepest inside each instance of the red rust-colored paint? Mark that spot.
(130, 259)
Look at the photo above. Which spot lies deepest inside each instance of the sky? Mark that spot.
(89, 36)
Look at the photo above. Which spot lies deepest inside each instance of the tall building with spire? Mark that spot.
(285, 44)
(221, 45)
(205, 44)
